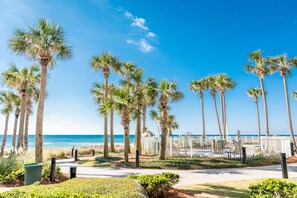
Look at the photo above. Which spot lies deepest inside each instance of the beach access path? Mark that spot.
(187, 177)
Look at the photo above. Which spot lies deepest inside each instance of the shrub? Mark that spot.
(46, 170)
(156, 185)
(270, 188)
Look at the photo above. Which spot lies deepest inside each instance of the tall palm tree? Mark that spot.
(44, 42)
(16, 105)
(283, 65)
(150, 95)
(157, 117)
(124, 103)
(6, 99)
(21, 79)
(255, 93)
(211, 84)
(168, 93)
(261, 70)
(105, 63)
(199, 86)
(223, 83)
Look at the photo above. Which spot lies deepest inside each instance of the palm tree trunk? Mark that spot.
(265, 107)
(217, 114)
(222, 111)
(15, 126)
(143, 118)
(26, 131)
(202, 115)
(22, 119)
(127, 143)
(138, 128)
(225, 114)
(111, 132)
(258, 116)
(105, 146)
(40, 111)
(164, 132)
(4, 135)
(288, 109)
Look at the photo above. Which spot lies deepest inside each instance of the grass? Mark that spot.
(225, 189)
(181, 163)
(107, 187)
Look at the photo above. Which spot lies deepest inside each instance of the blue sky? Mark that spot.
(182, 40)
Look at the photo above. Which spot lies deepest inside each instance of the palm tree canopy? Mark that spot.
(98, 92)
(171, 122)
(169, 90)
(15, 77)
(260, 64)
(224, 82)
(294, 95)
(198, 85)
(105, 62)
(254, 93)
(7, 99)
(150, 91)
(44, 42)
(282, 64)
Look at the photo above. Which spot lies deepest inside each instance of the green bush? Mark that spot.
(46, 170)
(270, 188)
(156, 185)
(81, 188)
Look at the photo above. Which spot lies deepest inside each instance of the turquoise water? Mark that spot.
(63, 141)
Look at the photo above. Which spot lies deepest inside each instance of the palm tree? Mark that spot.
(6, 100)
(124, 103)
(255, 93)
(261, 70)
(168, 93)
(150, 95)
(223, 83)
(16, 104)
(104, 63)
(172, 124)
(283, 66)
(45, 43)
(157, 117)
(211, 84)
(199, 86)
(21, 79)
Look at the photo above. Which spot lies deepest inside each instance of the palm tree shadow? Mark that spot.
(220, 191)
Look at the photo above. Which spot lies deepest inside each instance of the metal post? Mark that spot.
(93, 152)
(292, 148)
(243, 155)
(72, 172)
(137, 159)
(72, 151)
(284, 165)
(75, 155)
(214, 146)
(53, 169)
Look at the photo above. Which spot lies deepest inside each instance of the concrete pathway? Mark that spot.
(187, 177)
(4, 189)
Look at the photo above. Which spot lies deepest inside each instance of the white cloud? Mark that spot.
(143, 45)
(151, 35)
(136, 22)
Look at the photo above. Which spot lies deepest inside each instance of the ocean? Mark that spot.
(67, 141)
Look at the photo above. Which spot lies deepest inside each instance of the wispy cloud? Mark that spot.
(144, 42)
(143, 45)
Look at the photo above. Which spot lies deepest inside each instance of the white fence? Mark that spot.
(187, 146)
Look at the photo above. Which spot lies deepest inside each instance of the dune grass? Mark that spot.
(223, 189)
(97, 187)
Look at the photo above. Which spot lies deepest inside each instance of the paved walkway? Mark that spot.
(187, 177)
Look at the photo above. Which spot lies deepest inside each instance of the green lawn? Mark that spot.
(226, 189)
(88, 187)
(116, 160)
